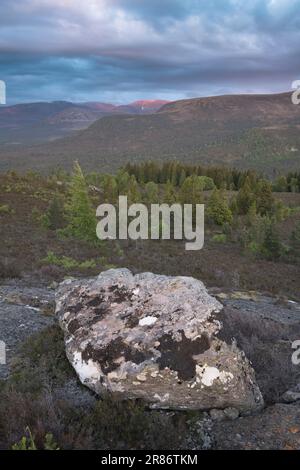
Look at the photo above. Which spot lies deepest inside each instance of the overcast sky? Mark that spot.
(122, 50)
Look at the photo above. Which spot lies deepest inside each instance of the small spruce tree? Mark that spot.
(80, 214)
(271, 246)
(217, 208)
(264, 198)
(244, 198)
(54, 216)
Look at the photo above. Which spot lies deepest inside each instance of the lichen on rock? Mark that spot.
(155, 338)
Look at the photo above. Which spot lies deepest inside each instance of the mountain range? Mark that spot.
(45, 121)
(244, 131)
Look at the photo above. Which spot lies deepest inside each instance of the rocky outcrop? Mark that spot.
(155, 338)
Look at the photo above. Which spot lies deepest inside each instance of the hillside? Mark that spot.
(245, 131)
(32, 123)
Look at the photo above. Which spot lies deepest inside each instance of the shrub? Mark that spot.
(26, 443)
(6, 209)
(10, 269)
(68, 263)
(254, 247)
(217, 208)
(128, 424)
(219, 238)
(42, 357)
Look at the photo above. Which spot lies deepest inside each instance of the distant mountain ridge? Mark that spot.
(245, 131)
(42, 121)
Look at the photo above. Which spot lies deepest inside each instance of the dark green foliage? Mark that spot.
(264, 198)
(272, 247)
(217, 208)
(54, 216)
(191, 190)
(110, 189)
(177, 172)
(244, 198)
(293, 182)
(80, 214)
(208, 183)
(129, 425)
(123, 182)
(133, 191)
(280, 184)
(27, 442)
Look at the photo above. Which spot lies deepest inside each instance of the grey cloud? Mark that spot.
(123, 49)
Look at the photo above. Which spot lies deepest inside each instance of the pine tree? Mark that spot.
(110, 189)
(271, 246)
(280, 184)
(80, 214)
(233, 206)
(169, 194)
(294, 187)
(182, 177)
(191, 191)
(244, 198)
(151, 195)
(123, 179)
(133, 191)
(54, 217)
(252, 214)
(264, 197)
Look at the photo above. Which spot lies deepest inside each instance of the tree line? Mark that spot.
(222, 177)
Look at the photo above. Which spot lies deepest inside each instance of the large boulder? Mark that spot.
(155, 338)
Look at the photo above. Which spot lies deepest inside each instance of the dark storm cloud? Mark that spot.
(120, 50)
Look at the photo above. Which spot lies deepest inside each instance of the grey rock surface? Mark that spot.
(290, 396)
(265, 328)
(155, 338)
(276, 428)
(23, 312)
